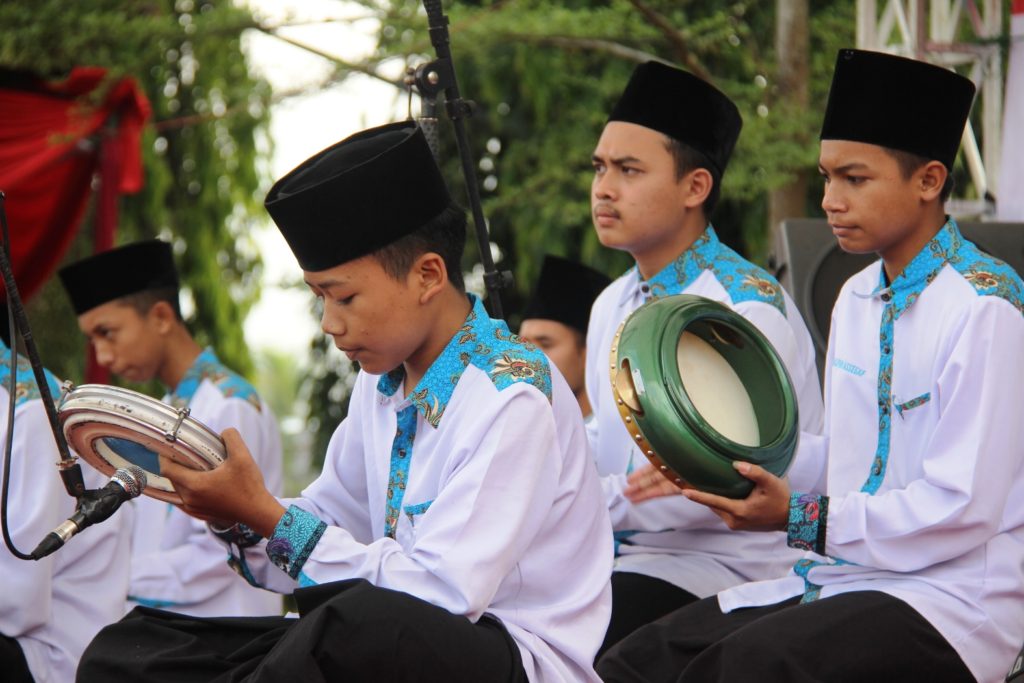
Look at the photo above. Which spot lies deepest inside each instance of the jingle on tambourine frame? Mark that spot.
(111, 427)
(675, 430)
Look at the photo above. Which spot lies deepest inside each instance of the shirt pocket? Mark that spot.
(914, 416)
(905, 409)
(411, 516)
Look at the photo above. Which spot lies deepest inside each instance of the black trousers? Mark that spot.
(347, 631)
(637, 600)
(854, 637)
(13, 667)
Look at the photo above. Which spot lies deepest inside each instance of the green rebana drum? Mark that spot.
(699, 387)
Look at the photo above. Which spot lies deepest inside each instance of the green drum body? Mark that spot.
(699, 387)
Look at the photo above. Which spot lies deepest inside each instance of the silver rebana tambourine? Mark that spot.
(110, 427)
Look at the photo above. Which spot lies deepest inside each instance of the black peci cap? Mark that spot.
(565, 292)
(681, 106)
(110, 275)
(899, 103)
(357, 196)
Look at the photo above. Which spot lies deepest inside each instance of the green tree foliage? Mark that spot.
(201, 149)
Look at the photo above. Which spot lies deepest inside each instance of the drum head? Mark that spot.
(110, 427)
(699, 387)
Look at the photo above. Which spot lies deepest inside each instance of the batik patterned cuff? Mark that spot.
(808, 519)
(294, 538)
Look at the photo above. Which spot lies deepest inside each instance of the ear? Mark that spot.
(697, 184)
(429, 275)
(162, 315)
(929, 179)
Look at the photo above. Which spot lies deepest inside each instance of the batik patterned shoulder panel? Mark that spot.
(26, 388)
(745, 281)
(509, 359)
(988, 275)
(208, 367)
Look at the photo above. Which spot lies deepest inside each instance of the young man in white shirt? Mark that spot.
(658, 169)
(126, 300)
(914, 538)
(51, 608)
(457, 531)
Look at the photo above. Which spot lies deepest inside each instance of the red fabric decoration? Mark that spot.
(52, 139)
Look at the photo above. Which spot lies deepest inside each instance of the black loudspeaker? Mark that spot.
(811, 266)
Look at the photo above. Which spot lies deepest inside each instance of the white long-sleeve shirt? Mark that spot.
(176, 563)
(924, 392)
(53, 607)
(475, 491)
(672, 538)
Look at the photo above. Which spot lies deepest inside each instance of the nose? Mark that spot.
(603, 186)
(331, 323)
(104, 355)
(831, 201)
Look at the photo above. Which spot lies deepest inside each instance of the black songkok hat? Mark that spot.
(357, 196)
(110, 275)
(682, 106)
(897, 103)
(565, 292)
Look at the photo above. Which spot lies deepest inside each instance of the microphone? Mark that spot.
(95, 505)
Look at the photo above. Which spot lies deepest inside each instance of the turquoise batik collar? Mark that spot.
(741, 279)
(680, 274)
(208, 366)
(484, 343)
(26, 388)
(918, 274)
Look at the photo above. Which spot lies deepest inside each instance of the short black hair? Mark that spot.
(688, 159)
(910, 162)
(147, 298)
(444, 235)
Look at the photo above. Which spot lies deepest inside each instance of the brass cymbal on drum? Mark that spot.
(111, 427)
(699, 387)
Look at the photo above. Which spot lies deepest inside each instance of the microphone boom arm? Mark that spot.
(70, 470)
(430, 79)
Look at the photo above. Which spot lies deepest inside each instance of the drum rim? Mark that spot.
(84, 391)
(94, 407)
(697, 432)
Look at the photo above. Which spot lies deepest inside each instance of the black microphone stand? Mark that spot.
(430, 79)
(70, 470)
